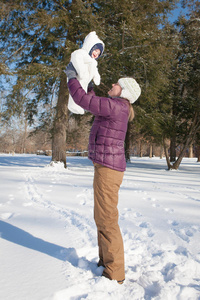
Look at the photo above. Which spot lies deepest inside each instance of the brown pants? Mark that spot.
(111, 250)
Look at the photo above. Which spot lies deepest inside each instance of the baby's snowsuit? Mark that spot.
(86, 67)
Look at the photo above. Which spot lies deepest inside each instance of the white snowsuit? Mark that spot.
(86, 68)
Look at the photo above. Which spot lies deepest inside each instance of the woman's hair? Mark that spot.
(131, 113)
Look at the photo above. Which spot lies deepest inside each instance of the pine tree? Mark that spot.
(186, 98)
(37, 40)
(138, 45)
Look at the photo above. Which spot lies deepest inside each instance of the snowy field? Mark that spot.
(48, 248)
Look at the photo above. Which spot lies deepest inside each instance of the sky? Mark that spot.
(173, 16)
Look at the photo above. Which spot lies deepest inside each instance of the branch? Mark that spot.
(123, 35)
(37, 55)
(23, 46)
(166, 154)
(132, 47)
(61, 5)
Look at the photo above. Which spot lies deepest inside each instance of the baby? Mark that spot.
(84, 61)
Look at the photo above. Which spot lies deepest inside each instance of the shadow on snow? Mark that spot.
(20, 237)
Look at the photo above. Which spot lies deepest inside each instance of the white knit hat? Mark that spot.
(130, 89)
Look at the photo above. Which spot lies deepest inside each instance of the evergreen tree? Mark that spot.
(138, 45)
(186, 97)
(37, 40)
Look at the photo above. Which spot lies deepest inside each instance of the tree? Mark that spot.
(137, 45)
(37, 40)
(186, 100)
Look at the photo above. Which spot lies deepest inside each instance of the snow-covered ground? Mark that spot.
(48, 248)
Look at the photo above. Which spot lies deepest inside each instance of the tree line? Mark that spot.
(37, 38)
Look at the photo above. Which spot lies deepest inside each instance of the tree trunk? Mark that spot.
(60, 124)
(190, 137)
(198, 153)
(150, 150)
(166, 154)
(178, 161)
(173, 149)
(191, 151)
(140, 149)
(24, 138)
(161, 151)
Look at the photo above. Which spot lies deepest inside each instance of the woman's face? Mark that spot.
(115, 90)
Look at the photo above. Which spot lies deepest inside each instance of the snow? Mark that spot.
(48, 247)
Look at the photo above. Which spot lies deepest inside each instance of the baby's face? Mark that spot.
(96, 53)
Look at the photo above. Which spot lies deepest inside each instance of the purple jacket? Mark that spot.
(108, 132)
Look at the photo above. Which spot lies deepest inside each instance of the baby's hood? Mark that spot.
(90, 40)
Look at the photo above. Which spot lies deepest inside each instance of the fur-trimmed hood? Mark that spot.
(90, 40)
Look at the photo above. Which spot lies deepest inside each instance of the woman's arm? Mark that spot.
(98, 106)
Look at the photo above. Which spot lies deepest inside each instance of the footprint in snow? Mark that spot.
(150, 233)
(175, 223)
(129, 213)
(182, 251)
(151, 199)
(144, 225)
(137, 215)
(183, 234)
(146, 230)
(155, 205)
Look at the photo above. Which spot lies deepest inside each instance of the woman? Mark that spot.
(106, 150)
